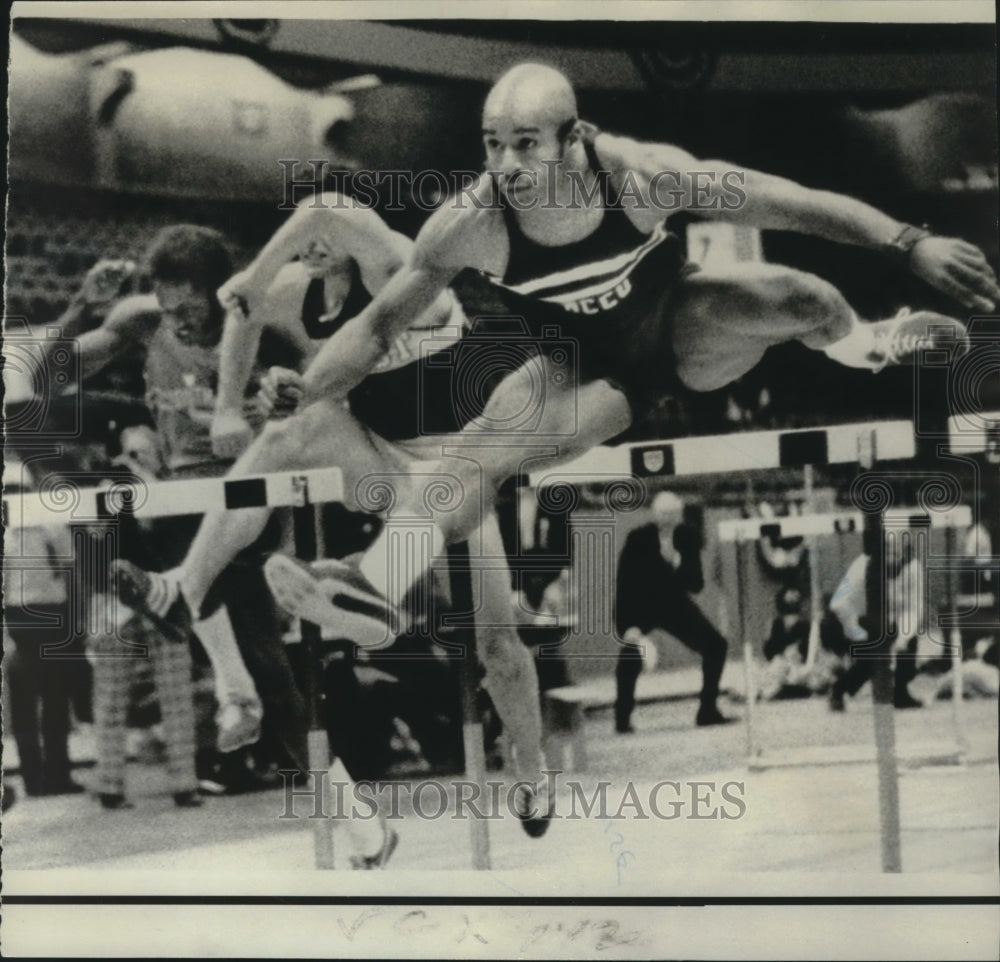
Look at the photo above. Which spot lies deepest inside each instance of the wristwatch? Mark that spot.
(901, 246)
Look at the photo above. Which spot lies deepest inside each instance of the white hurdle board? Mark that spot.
(740, 451)
(753, 529)
(63, 502)
(979, 431)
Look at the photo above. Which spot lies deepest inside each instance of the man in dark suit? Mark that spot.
(659, 569)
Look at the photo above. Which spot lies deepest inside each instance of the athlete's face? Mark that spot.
(187, 311)
(522, 151)
(319, 260)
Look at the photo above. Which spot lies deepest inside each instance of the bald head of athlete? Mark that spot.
(528, 123)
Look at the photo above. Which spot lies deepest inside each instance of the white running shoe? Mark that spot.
(899, 339)
(333, 595)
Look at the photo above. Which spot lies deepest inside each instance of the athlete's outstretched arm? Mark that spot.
(127, 328)
(230, 431)
(330, 219)
(719, 190)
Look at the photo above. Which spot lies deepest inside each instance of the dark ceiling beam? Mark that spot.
(445, 55)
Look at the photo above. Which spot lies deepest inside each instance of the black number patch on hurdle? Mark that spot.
(246, 493)
(799, 448)
(104, 513)
(652, 459)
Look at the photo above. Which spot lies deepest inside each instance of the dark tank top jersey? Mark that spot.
(318, 326)
(608, 294)
(419, 387)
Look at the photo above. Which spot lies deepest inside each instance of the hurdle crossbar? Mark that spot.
(726, 453)
(844, 522)
(64, 503)
(978, 431)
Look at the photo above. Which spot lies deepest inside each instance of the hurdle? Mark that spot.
(968, 434)
(743, 533)
(732, 453)
(61, 500)
(862, 444)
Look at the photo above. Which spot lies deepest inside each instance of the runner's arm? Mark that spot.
(675, 180)
(353, 351)
(129, 325)
(242, 333)
(339, 222)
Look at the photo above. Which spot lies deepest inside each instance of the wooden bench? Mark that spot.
(564, 709)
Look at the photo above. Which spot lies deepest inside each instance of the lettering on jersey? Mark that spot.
(401, 352)
(594, 286)
(600, 302)
(411, 345)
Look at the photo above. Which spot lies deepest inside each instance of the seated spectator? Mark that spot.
(789, 673)
(977, 599)
(412, 681)
(787, 649)
(904, 588)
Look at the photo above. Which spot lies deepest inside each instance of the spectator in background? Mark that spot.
(905, 620)
(412, 680)
(659, 566)
(116, 656)
(174, 335)
(789, 673)
(42, 651)
(547, 607)
(787, 649)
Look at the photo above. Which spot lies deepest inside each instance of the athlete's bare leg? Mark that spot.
(321, 435)
(725, 320)
(324, 434)
(511, 678)
(504, 442)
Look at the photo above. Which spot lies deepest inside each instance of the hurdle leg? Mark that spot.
(472, 725)
(742, 560)
(304, 531)
(954, 636)
(812, 550)
(882, 700)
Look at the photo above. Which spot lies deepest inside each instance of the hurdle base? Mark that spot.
(830, 755)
